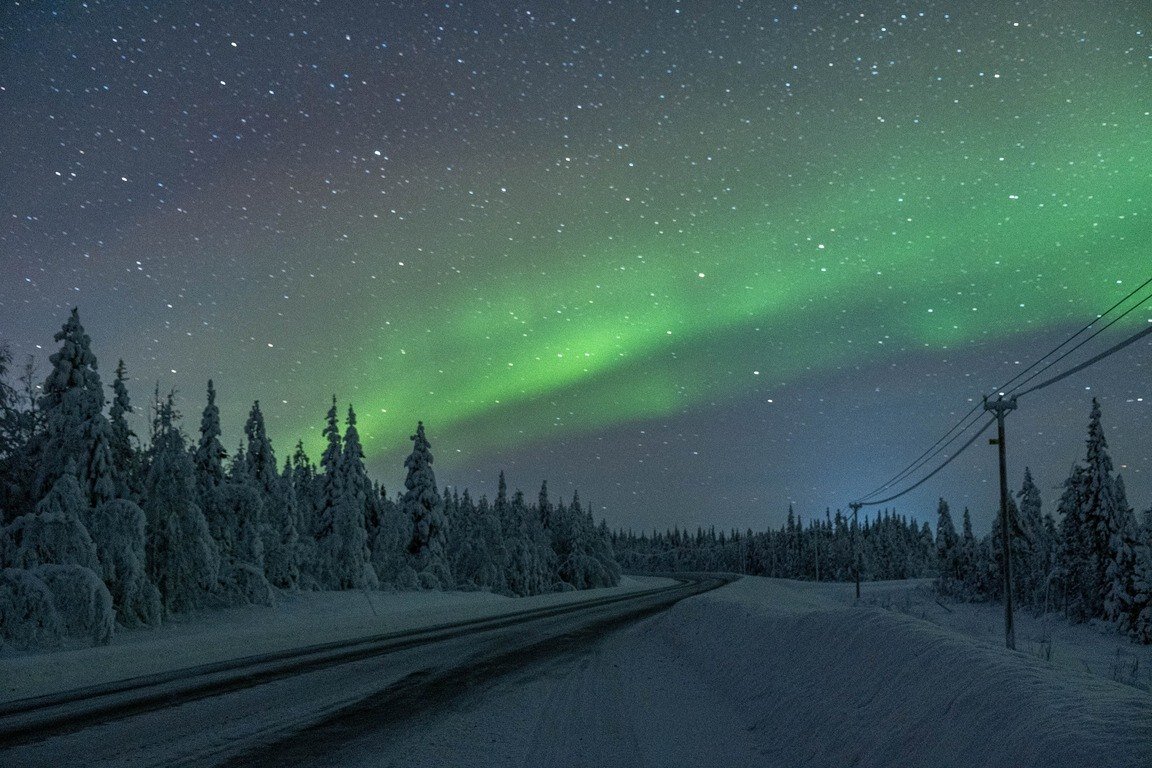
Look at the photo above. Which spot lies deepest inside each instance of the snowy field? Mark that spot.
(296, 621)
(778, 673)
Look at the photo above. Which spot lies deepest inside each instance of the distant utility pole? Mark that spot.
(855, 554)
(1000, 408)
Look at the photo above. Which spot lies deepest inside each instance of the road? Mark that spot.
(292, 708)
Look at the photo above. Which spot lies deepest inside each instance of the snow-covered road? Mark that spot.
(251, 712)
(759, 672)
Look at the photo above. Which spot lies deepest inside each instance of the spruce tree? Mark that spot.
(969, 553)
(122, 440)
(1032, 548)
(277, 527)
(329, 480)
(424, 507)
(119, 535)
(947, 550)
(55, 534)
(1121, 591)
(1076, 557)
(305, 488)
(183, 559)
(208, 461)
(74, 426)
(343, 556)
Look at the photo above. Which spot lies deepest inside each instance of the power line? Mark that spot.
(1110, 323)
(961, 426)
(1091, 361)
(929, 453)
(1003, 387)
(929, 476)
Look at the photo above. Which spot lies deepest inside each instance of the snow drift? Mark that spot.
(828, 683)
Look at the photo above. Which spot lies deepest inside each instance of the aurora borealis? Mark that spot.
(697, 260)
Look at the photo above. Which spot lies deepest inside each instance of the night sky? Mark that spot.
(697, 260)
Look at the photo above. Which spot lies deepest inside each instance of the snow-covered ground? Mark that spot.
(296, 621)
(778, 673)
(760, 672)
(1096, 649)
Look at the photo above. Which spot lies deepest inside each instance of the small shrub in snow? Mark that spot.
(28, 618)
(82, 602)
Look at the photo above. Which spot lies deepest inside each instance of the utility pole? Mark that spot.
(855, 555)
(1000, 408)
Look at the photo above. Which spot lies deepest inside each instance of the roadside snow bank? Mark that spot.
(828, 684)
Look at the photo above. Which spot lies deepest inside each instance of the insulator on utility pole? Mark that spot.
(1000, 408)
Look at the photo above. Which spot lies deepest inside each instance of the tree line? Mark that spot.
(99, 529)
(1091, 561)
(888, 545)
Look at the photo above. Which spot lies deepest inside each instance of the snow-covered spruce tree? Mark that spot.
(122, 440)
(183, 559)
(81, 600)
(208, 459)
(28, 617)
(74, 426)
(389, 545)
(544, 506)
(1139, 607)
(422, 504)
(541, 559)
(54, 547)
(1023, 588)
(278, 525)
(460, 538)
(1102, 514)
(55, 533)
(344, 560)
(588, 561)
(327, 493)
(118, 529)
(481, 564)
(14, 460)
(947, 551)
(1075, 563)
(240, 507)
(969, 555)
(570, 548)
(1121, 593)
(1033, 571)
(350, 514)
(301, 473)
(520, 570)
(605, 554)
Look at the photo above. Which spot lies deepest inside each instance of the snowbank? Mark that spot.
(297, 620)
(831, 684)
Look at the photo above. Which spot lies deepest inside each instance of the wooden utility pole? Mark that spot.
(1000, 408)
(855, 554)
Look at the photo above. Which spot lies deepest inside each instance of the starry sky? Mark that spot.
(698, 260)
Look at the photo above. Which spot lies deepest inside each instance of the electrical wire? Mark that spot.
(1004, 387)
(1110, 323)
(931, 452)
(929, 476)
(944, 441)
(1090, 362)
